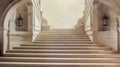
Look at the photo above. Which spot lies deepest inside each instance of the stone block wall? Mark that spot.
(109, 37)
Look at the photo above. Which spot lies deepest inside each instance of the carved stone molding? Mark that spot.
(96, 2)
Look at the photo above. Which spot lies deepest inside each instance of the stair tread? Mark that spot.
(60, 51)
(61, 60)
(34, 44)
(55, 50)
(62, 35)
(40, 58)
(65, 39)
(57, 45)
(64, 54)
(35, 63)
(61, 47)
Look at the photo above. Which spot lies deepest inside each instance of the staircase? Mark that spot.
(61, 48)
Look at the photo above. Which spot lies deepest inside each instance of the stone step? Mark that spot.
(58, 48)
(38, 44)
(62, 31)
(60, 34)
(65, 30)
(104, 48)
(59, 45)
(35, 64)
(60, 60)
(58, 51)
(64, 55)
(57, 38)
(72, 35)
(62, 39)
(64, 42)
(63, 48)
(64, 36)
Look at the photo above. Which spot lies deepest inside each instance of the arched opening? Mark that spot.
(63, 14)
(13, 34)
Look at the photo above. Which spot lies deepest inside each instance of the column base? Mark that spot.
(45, 28)
(79, 27)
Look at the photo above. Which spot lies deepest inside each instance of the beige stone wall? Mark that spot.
(23, 12)
(118, 23)
(108, 38)
(113, 4)
(92, 21)
(16, 37)
(11, 37)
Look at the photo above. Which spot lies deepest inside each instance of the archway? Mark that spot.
(9, 25)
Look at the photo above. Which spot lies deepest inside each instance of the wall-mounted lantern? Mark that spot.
(105, 20)
(20, 21)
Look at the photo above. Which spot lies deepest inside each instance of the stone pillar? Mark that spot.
(30, 17)
(1, 41)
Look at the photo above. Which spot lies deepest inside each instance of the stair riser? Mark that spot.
(62, 37)
(59, 34)
(57, 65)
(60, 61)
(62, 56)
(67, 49)
(63, 48)
(60, 46)
(64, 41)
(59, 52)
(66, 36)
(61, 40)
(62, 32)
(70, 33)
(41, 42)
(38, 44)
